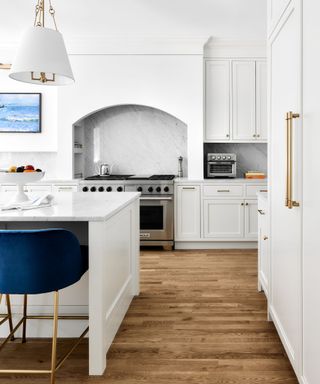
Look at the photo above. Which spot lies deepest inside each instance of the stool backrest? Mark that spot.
(39, 261)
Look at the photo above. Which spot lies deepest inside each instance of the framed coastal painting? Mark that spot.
(20, 112)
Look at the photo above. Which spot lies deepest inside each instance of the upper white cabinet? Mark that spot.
(261, 101)
(236, 101)
(217, 95)
(188, 218)
(243, 100)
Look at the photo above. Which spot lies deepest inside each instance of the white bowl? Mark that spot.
(20, 179)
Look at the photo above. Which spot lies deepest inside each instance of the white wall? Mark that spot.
(230, 19)
(171, 83)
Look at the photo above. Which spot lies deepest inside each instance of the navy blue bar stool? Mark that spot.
(40, 261)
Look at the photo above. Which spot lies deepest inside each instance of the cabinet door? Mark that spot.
(243, 100)
(39, 188)
(187, 218)
(263, 247)
(251, 219)
(261, 101)
(217, 110)
(223, 219)
(285, 224)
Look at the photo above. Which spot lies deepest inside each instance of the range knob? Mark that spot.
(218, 157)
(101, 189)
(158, 189)
(150, 189)
(109, 189)
(229, 157)
(166, 189)
(93, 189)
(119, 189)
(223, 157)
(85, 189)
(139, 189)
(213, 157)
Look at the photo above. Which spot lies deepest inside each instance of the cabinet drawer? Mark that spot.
(223, 190)
(65, 188)
(251, 190)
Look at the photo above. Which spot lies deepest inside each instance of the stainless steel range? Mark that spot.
(156, 202)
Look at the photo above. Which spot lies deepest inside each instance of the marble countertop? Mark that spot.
(222, 181)
(77, 206)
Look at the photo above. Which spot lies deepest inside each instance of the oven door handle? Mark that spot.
(158, 198)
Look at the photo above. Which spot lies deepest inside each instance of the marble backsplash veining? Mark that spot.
(43, 160)
(135, 139)
(250, 156)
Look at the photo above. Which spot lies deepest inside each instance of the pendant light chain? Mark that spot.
(52, 12)
(39, 14)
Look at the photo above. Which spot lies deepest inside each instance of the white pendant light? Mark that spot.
(42, 57)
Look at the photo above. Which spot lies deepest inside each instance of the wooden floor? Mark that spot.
(199, 320)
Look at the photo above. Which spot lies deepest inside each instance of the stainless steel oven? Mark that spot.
(156, 220)
(221, 165)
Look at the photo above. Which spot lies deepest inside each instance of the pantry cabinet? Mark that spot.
(235, 100)
(187, 212)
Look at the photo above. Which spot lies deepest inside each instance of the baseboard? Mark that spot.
(283, 337)
(216, 245)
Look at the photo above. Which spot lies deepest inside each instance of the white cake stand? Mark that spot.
(20, 179)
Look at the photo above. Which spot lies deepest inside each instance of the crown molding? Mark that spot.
(223, 48)
(125, 45)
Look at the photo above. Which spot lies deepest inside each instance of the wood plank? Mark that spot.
(199, 320)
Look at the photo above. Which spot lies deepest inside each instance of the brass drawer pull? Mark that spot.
(223, 190)
(263, 190)
(188, 187)
(261, 212)
(265, 238)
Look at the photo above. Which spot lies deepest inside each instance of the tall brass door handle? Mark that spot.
(290, 203)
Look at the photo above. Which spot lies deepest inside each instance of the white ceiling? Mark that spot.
(230, 19)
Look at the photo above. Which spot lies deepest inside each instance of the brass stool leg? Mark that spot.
(10, 316)
(54, 337)
(24, 325)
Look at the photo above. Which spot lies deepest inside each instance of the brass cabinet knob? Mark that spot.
(258, 135)
(227, 135)
(254, 135)
(242, 204)
(265, 237)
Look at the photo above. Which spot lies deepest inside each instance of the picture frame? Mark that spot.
(20, 112)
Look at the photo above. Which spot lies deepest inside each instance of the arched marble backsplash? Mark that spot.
(135, 139)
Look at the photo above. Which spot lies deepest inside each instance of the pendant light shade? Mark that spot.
(42, 58)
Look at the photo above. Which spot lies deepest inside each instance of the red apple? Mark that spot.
(29, 168)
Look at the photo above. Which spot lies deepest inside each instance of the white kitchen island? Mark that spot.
(109, 224)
